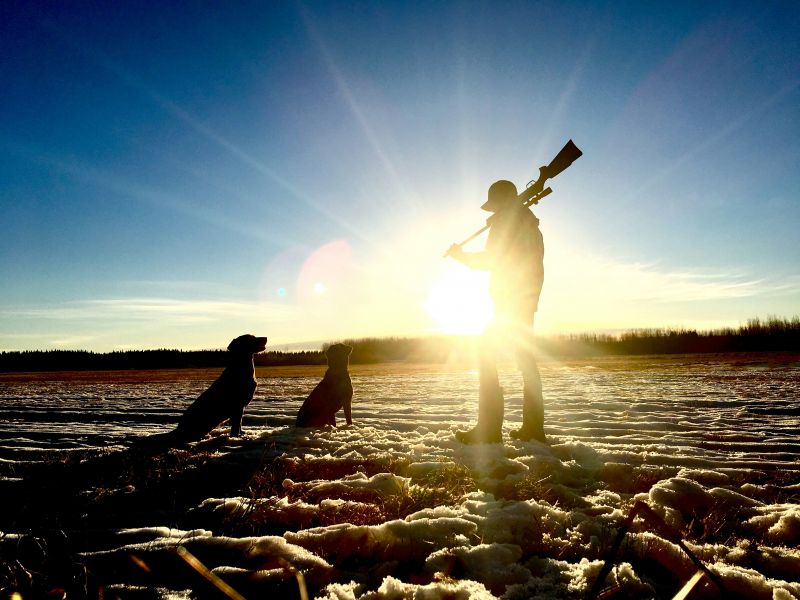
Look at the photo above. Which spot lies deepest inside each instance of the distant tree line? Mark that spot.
(772, 334)
(433, 349)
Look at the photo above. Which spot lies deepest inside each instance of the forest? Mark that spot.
(773, 334)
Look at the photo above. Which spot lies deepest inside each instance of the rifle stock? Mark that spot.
(565, 157)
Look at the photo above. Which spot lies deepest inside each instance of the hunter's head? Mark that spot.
(501, 193)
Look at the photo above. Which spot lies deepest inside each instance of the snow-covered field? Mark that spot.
(393, 507)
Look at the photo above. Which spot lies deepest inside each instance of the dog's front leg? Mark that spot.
(236, 423)
(348, 411)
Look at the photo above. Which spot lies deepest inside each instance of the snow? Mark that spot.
(394, 589)
(382, 484)
(710, 445)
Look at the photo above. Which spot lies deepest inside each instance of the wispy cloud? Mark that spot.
(594, 285)
(172, 284)
(136, 309)
(647, 282)
(73, 341)
(584, 293)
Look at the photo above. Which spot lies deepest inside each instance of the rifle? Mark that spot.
(536, 191)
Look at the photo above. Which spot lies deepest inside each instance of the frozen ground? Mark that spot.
(393, 507)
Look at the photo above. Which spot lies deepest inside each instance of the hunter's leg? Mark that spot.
(532, 400)
(490, 395)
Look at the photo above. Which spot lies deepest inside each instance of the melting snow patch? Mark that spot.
(394, 589)
(494, 565)
(382, 484)
(779, 523)
(411, 539)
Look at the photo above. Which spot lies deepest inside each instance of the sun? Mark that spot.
(458, 301)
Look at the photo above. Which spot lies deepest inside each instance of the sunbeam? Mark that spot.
(130, 80)
(358, 114)
(112, 182)
(571, 85)
(712, 140)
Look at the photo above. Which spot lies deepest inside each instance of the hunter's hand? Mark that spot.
(455, 251)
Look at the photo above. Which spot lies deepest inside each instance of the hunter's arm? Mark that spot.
(481, 261)
(474, 260)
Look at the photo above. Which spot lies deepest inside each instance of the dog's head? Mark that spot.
(247, 344)
(338, 355)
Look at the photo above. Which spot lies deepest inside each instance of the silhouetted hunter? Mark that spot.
(226, 398)
(514, 256)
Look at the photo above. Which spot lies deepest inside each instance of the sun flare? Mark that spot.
(458, 301)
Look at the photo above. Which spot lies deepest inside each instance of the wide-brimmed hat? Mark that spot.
(500, 193)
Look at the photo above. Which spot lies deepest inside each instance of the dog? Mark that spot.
(334, 392)
(226, 398)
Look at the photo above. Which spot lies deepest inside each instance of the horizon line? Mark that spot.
(318, 345)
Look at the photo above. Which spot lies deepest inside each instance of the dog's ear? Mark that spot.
(338, 350)
(238, 343)
(343, 350)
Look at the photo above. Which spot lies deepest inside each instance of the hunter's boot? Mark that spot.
(532, 408)
(532, 420)
(490, 418)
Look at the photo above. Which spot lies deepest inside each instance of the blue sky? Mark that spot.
(175, 174)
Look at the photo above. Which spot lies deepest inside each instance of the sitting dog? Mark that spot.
(334, 392)
(228, 395)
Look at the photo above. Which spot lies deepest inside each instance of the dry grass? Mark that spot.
(113, 483)
(631, 479)
(440, 487)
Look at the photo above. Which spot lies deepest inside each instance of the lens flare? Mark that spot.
(327, 274)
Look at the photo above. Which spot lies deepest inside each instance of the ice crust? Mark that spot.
(542, 517)
(485, 546)
(511, 548)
